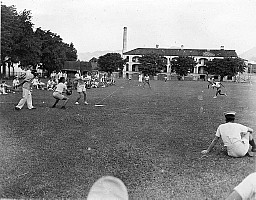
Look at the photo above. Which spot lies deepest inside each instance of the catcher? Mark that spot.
(58, 93)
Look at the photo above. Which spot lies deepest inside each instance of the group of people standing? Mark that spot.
(143, 80)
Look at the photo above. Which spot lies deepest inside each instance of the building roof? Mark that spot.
(183, 52)
(77, 65)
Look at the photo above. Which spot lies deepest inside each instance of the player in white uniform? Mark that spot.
(26, 91)
(140, 79)
(210, 82)
(237, 138)
(57, 94)
(146, 81)
(246, 190)
(15, 83)
(81, 88)
(218, 86)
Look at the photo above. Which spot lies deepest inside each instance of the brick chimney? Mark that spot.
(221, 47)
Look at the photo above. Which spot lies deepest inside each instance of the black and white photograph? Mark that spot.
(128, 99)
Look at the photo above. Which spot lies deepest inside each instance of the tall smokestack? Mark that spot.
(125, 40)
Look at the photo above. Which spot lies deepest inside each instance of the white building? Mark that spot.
(200, 56)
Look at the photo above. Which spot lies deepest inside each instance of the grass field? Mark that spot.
(149, 138)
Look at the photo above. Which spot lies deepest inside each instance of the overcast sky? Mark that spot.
(94, 25)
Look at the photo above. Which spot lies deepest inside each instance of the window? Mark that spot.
(135, 68)
(135, 59)
(127, 67)
(229, 77)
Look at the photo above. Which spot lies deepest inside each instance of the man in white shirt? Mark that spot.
(218, 86)
(146, 81)
(246, 190)
(58, 93)
(26, 91)
(81, 88)
(237, 138)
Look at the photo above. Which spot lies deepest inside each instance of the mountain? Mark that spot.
(249, 55)
(89, 55)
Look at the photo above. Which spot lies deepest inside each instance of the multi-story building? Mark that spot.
(200, 56)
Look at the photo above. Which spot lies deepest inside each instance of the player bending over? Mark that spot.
(237, 138)
(57, 94)
(218, 86)
(245, 190)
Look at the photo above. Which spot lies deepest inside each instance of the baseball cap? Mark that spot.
(108, 188)
(230, 113)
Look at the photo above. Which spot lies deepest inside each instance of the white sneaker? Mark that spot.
(86, 103)
(77, 103)
(214, 97)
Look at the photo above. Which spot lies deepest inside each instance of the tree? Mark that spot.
(182, 65)
(27, 47)
(54, 51)
(18, 42)
(225, 67)
(110, 62)
(151, 64)
(9, 26)
(71, 52)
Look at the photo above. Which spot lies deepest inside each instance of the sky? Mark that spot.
(97, 25)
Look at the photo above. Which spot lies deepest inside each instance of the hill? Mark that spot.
(89, 55)
(249, 55)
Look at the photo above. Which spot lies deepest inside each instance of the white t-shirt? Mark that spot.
(15, 82)
(230, 132)
(247, 188)
(140, 78)
(146, 78)
(60, 87)
(28, 78)
(217, 84)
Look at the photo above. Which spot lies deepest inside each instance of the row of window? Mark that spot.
(136, 60)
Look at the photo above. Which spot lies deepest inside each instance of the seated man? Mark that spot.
(50, 84)
(237, 138)
(245, 190)
(35, 82)
(4, 88)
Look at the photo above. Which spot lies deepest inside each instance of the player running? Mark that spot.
(81, 87)
(218, 86)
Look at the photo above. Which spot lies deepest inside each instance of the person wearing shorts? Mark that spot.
(245, 190)
(218, 87)
(58, 93)
(237, 138)
(81, 88)
(146, 81)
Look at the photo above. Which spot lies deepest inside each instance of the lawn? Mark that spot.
(149, 138)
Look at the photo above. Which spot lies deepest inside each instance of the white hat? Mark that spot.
(108, 188)
(230, 113)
